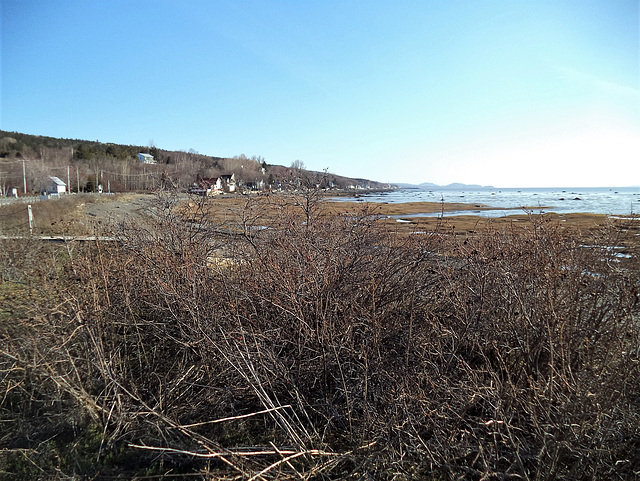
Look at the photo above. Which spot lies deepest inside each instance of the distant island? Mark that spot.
(453, 186)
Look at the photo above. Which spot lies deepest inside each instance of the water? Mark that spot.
(596, 200)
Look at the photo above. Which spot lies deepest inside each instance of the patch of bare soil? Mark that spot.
(78, 214)
(119, 208)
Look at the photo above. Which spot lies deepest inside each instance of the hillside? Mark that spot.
(84, 164)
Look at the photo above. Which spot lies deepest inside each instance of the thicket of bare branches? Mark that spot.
(323, 347)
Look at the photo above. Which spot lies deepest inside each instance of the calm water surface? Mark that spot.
(601, 200)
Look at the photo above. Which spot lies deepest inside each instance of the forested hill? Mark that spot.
(15, 144)
(93, 161)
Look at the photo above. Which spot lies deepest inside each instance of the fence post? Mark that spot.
(30, 219)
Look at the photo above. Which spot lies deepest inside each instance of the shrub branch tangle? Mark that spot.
(324, 347)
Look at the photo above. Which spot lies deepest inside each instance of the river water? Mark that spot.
(597, 200)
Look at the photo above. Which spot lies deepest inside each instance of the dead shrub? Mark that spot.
(332, 348)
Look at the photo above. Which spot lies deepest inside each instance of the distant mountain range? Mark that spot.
(454, 186)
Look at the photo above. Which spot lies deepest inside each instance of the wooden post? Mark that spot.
(30, 219)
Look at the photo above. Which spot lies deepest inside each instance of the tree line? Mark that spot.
(85, 164)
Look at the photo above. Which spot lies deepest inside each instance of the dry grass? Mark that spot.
(80, 214)
(330, 348)
(230, 210)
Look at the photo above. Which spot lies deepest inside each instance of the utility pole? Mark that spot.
(68, 181)
(77, 179)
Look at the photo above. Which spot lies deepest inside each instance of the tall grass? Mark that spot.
(324, 347)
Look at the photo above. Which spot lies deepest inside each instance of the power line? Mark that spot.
(130, 175)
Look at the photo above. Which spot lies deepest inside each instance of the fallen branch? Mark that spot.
(232, 418)
(232, 452)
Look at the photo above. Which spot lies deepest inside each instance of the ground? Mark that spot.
(87, 214)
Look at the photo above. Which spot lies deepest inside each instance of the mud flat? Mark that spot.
(399, 216)
(406, 217)
(82, 215)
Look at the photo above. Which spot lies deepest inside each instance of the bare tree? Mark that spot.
(297, 165)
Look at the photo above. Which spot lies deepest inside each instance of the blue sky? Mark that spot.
(508, 93)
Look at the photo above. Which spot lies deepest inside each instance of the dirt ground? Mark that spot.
(399, 217)
(129, 207)
(230, 210)
(87, 213)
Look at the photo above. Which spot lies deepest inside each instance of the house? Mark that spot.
(212, 183)
(229, 182)
(146, 158)
(207, 186)
(257, 185)
(56, 186)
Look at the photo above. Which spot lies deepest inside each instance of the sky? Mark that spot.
(509, 93)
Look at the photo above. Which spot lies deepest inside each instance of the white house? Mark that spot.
(146, 158)
(229, 182)
(212, 185)
(56, 186)
(216, 185)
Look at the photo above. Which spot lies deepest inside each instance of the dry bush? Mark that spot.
(546, 334)
(326, 347)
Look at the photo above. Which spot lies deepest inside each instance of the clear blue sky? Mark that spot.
(508, 93)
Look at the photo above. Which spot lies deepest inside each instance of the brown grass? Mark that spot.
(330, 348)
(229, 209)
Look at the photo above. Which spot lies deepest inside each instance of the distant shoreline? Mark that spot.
(477, 187)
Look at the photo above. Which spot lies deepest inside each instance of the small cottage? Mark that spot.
(229, 182)
(257, 185)
(146, 158)
(207, 186)
(212, 183)
(56, 186)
